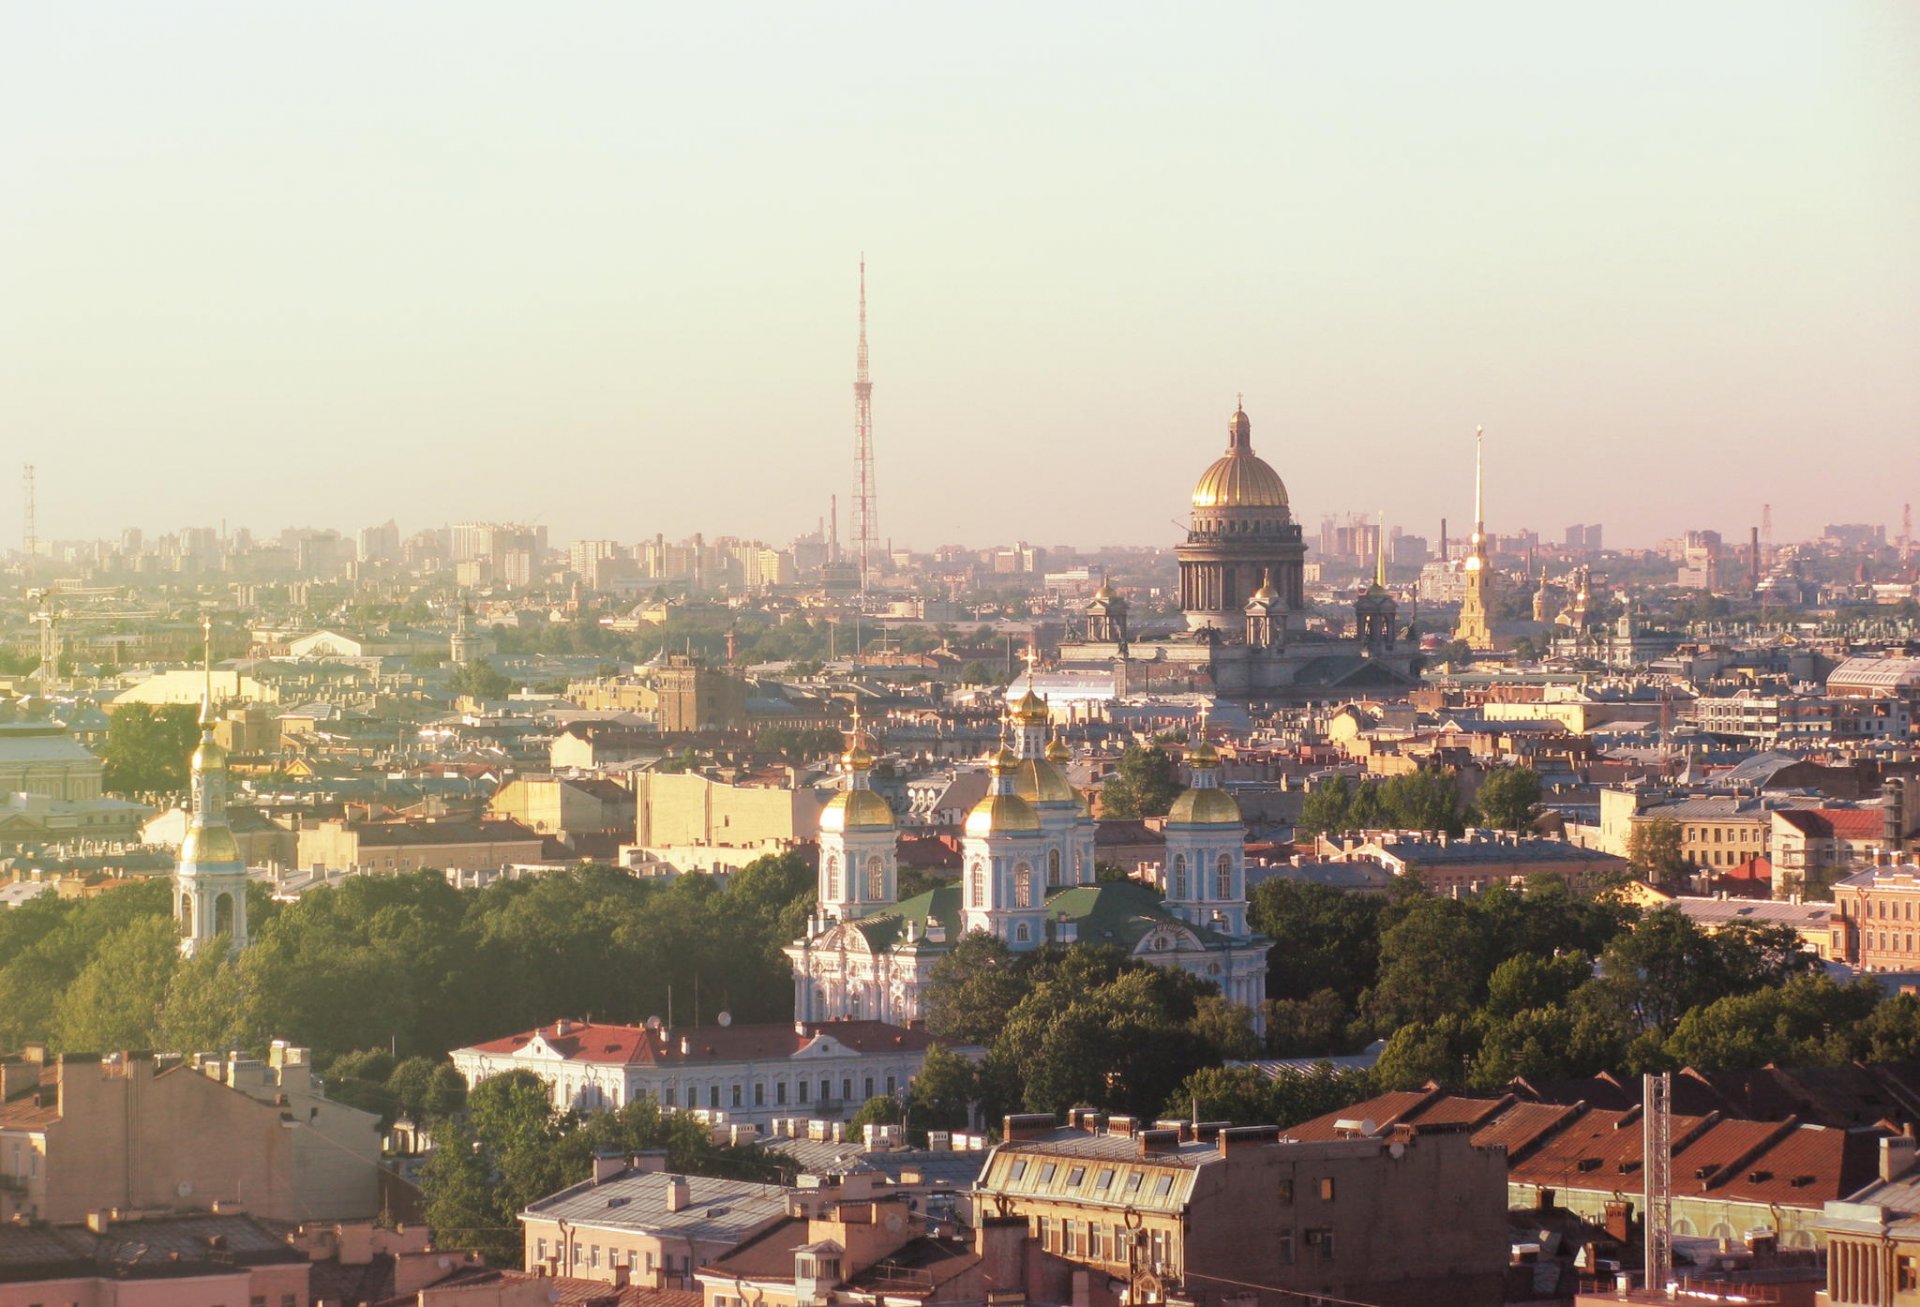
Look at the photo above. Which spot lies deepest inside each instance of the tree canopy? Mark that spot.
(1143, 785)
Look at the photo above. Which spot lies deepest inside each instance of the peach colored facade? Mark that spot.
(158, 1133)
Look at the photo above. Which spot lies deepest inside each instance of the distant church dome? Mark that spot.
(1204, 808)
(1240, 478)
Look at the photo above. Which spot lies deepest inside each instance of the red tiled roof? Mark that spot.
(1856, 823)
(600, 1042)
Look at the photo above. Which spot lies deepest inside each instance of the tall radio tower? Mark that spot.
(30, 538)
(866, 520)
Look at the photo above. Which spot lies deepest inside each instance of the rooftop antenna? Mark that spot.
(866, 522)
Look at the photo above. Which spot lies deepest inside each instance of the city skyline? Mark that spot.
(600, 273)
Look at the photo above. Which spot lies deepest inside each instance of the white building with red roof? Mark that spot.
(739, 1073)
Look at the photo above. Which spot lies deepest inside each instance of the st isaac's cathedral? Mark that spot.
(1242, 593)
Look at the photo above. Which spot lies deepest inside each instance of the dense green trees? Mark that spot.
(1655, 852)
(1427, 800)
(405, 962)
(478, 679)
(512, 1148)
(1082, 1024)
(1508, 797)
(148, 747)
(1142, 785)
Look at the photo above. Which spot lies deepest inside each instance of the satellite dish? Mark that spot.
(1369, 1127)
(653, 1023)
(1396, 1150)
(184, 1188)
(725, 1018)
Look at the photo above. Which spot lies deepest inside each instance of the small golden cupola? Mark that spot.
(856, 807)
(1002, 812)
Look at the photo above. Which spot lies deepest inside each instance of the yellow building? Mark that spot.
(689, 808)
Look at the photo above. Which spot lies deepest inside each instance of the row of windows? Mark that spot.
(1222, 877)
(1723, 835)
(876, 879)
(591, 1095)
(588, 1255)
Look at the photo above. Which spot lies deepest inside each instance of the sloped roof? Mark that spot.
(605, 1044)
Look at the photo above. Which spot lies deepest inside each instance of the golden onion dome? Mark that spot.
(1041, 782)
(207, 844)
(1204, 808)
(855, 810)
(1266, 595)
(1030, 708)
(859, 753)
(1203, 754)
(209, 756)
(1002, 814)
(1003, 762)
(1058, 753)
(1104, 594)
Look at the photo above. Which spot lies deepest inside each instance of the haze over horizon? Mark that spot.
(280, 267)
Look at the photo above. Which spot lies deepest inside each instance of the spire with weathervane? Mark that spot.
(210, 879)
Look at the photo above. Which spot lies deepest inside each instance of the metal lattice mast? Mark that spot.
(1656, 1133)
(866, 521)
(30, 537)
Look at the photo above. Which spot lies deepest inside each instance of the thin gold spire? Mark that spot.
(206, 665)
(1380, 553)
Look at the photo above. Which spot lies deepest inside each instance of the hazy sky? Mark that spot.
(594, 265)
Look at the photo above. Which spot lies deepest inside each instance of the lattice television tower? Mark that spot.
(1656, 1168)
(866, 517)
(30, 536)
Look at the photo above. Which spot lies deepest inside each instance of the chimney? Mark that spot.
(1026, 1125)
(606, 1165)
(1896, 1157)
(1159, 1141)
(649, 1161)
(679, 1193)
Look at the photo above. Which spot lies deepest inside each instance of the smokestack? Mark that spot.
(1753, 560)
(1443, 539)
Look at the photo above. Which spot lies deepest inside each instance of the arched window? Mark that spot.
(977, 886)
(186, 914)
(1023, 886)
(876, 879)
(1223, 877)
(1053, 866)
(1020, 933)
(1179, 875)
(223, 915)
(833, 877)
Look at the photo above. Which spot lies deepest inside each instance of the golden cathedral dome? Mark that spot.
(1003, 762)
(1039, 781)
(1208, 807)
(207, 844)
(1002, 814)
(1203, 754)
(855, 810)
(1058, 753)
(1240, 478)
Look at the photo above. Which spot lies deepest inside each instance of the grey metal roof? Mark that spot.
(717, 1211)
